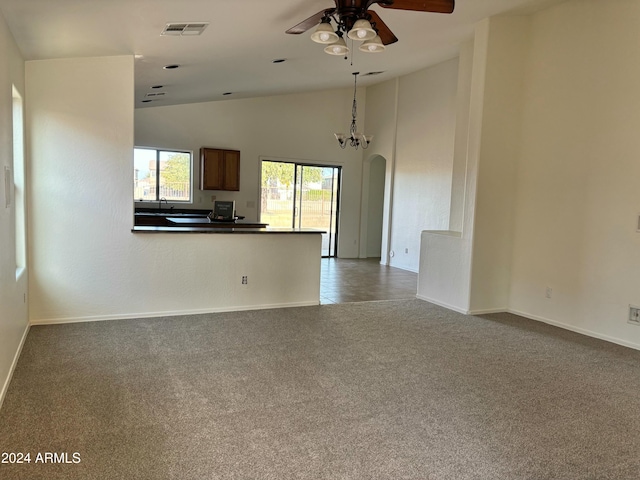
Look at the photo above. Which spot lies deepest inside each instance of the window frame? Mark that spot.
(158, 152)
(18, 181)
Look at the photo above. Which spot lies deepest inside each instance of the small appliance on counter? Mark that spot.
(224, 211)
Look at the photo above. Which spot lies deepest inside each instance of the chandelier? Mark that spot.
(355, 139)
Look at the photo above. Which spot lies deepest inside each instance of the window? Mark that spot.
(19, 182)
(161, 174)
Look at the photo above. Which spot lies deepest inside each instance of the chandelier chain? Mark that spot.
(354, 108)
(354, 139)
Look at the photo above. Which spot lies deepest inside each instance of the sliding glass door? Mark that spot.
(301, 195)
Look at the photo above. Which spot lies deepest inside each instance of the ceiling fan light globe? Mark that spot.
(374, 45)
(324, 34)
(362, 30)
(337, 48)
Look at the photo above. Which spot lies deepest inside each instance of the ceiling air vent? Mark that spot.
(182, 29)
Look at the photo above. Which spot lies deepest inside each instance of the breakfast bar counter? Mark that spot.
(187, 221)
(227, 229)
(232, 267)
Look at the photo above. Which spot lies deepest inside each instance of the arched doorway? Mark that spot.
(372, 244)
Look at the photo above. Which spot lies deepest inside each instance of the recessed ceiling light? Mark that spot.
(227, 93)
(373, 73)
(157, 86)
(279, 60)
(171, 67)
(146, 101)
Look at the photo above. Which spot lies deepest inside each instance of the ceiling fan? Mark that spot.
(354, 18)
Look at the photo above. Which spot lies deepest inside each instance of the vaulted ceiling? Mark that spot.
(235, 53)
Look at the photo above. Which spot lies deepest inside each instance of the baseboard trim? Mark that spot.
(537, 318)
(487, 311)
(406, 269)
(57, 321)
(579, 330)
(170, 313)
(14, 363)
(442, 304)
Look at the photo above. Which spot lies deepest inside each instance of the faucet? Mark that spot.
(160, 203)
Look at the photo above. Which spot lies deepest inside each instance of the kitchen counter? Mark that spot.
(206, 223)
(173, 217)
(194, 221)
(227, 229)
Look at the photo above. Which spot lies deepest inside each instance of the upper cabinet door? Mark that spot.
(219, 169)
(231, 170)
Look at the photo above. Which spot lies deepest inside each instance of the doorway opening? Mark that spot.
(375, 214)
(375, 207)
(302, 195)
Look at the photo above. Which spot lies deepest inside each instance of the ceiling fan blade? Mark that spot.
(436, 6)
(386, 35)
(310, 22)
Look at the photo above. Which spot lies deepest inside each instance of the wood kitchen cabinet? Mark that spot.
(219, 169)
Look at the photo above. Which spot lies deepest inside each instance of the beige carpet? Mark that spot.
(379, 390)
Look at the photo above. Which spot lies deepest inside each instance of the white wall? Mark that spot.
(469, 269)
(375, 206)
(13, 308)
(293, 127)
(551, 196)
(500, 141)
(86, 262)
(444, 276)
(578, 198)
(381, 121)
(424, 159)
(460, 152)
(413, 120)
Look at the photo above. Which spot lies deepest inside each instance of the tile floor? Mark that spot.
(345, 280)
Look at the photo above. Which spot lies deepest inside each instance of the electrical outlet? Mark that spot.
(634, 315)
(548, 292)
(406, 250)
(213, 198)
(244, 280)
